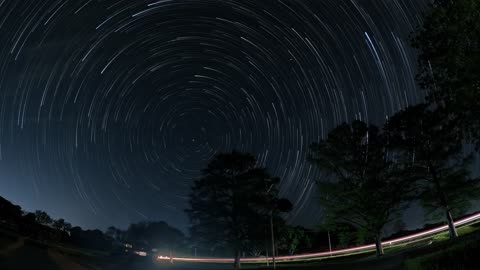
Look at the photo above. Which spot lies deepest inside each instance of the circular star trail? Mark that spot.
(113, 107)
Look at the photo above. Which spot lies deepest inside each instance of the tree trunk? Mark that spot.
(451, 226)
(378, 245)
(236, 264)
(443, 202)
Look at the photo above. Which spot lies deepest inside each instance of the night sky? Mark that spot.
(109, 109)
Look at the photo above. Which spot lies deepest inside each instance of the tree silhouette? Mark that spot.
(9, 211)
(229, 200)
(92, 239)
(439, 164)
(449, 61)
(43, 218)
(157, 235)
(362, 186)
(61, 225)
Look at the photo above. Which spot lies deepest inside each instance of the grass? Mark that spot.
(433, 246)
(464, 230)
(461, 254)
(445, 253)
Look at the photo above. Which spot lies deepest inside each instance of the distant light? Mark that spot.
(141, 253)
(160, 257)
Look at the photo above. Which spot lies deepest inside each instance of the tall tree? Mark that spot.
(363, 184)
(449, 61)
(439, 163)
(229, 200)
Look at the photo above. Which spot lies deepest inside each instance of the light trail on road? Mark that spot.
(345, 251)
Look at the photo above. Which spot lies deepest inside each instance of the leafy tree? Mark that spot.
(449, 61)
(364, 182)
(61, 225)
(347, 238)
(229, 200)
(43, 218)
(439, 164)
(58, 224)
(342, 234)
(291, 237)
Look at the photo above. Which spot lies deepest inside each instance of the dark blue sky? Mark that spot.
(109, 109)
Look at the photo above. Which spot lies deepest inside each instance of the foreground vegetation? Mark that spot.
(445, 254)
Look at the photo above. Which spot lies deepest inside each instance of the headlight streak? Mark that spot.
(325, 253)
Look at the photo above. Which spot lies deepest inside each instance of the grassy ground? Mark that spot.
(445, 254)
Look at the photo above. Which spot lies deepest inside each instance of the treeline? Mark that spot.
(141, 236)
(150, 236)
(37, 225)
(158, 236)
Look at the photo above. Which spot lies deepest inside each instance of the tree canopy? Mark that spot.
(291, 237)
(61, 225)
(449, 61)
(43, 218)
(365, 184)
(440, 165)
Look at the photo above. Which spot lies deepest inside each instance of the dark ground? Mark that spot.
(21, 253)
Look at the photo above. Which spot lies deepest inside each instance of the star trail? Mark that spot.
(113, 107)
